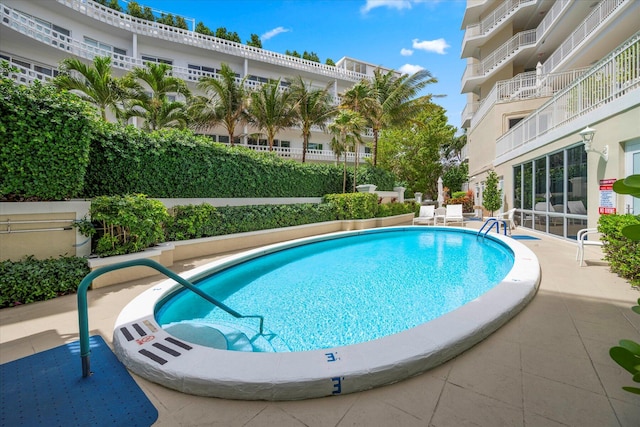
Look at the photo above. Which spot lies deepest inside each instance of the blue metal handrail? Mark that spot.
(83, 317)
(491, 222)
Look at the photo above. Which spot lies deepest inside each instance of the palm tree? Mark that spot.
(314, 108)
(271, 109)
(151, 101)
(225, 101)
(93, 83)
(346, 129)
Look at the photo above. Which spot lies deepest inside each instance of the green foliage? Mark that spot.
(255, 41)
(193, 222)
(464, 198)
(173, 163)
(454, 176)
(492, 196)
(392, 209)
(45, 138)
(203, 29)
(630, 185)
(627, 355)
(330, 61)
(222, 33)
(622, 253)
(127, 224)
(30, 280)
(382, 178)
(354, 205)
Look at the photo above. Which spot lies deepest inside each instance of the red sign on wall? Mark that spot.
(607, 197)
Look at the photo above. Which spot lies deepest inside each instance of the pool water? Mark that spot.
(346, 290)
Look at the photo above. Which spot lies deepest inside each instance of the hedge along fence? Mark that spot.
(173, 163)
(45, 137)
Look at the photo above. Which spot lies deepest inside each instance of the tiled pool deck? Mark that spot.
(549, 366)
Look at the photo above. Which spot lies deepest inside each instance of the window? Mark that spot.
(314, 146)
(514, 121)
(552, 192)
(157, 60)
(223, 138)
(104, 46)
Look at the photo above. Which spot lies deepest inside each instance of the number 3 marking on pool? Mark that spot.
(331, 357)
(337, 385)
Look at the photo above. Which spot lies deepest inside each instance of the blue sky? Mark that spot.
(406, 35)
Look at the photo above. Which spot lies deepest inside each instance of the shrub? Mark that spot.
(30, 280)
(126, 224)
(354, 205)
(622, 253)
(192, 222)
(391, 209)
(174, 163)
(45, 138)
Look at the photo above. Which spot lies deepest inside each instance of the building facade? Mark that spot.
(538, 73)
(36, 35)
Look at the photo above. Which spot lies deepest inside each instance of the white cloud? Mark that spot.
(410, 69)
(392, 4)
(406, 52)
(437, 46)
(273, 33)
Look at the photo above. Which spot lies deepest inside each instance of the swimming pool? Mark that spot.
(341, 291)
(336, 367)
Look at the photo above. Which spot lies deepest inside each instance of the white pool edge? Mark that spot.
(206, 371)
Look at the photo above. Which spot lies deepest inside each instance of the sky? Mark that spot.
(406, 35)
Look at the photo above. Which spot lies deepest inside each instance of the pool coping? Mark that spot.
(188, 367)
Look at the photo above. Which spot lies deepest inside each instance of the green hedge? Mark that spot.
(173, 163)
(44, 142)
(354, 205)
(30, 280)
(622, 254)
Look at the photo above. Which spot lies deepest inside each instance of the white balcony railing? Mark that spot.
(312, 154)
(25, 75)
(527, 85)
(498, 15)
(597, 16)
(613, 77)
(190, 38)
(519, 41)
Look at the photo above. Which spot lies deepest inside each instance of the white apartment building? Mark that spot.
(36, 35)
(538, 73)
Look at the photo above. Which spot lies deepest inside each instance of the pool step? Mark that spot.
(227, 336)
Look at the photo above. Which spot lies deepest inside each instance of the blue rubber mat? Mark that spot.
(47, 389)
(523, 237)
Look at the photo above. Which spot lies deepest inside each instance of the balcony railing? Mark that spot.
(25, 75)
(527, 85)
(613, 77)
(500, 14)
(190, 38)
(519, 41)
(312, 154)
(599, 14)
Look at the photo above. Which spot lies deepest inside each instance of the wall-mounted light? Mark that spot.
(587, 137)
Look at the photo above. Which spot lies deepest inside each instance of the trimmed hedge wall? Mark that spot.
(172, 163)
(44, 142)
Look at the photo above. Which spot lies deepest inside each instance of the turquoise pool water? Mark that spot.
(346, 290)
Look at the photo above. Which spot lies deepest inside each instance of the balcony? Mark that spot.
(122, 21)
(312, 155)
(475, 34)
(613, 78)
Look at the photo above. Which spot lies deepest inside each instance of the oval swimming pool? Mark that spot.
(340, 291)
(343, 312)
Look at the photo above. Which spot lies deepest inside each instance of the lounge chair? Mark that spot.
(440, 213)
(454, 214)
(582, 242)
(425, 216)
(576, 207)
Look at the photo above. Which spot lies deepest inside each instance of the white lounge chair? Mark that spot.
(426, 215)
(439, 215)
(454, 214)
(582, 242)
(576, 207)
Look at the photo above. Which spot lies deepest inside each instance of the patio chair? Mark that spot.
(576, 207)
(582, 240)
(508, 217)
(454, 214)
(426, 215)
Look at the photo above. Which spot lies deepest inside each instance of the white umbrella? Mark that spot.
(440, 192)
